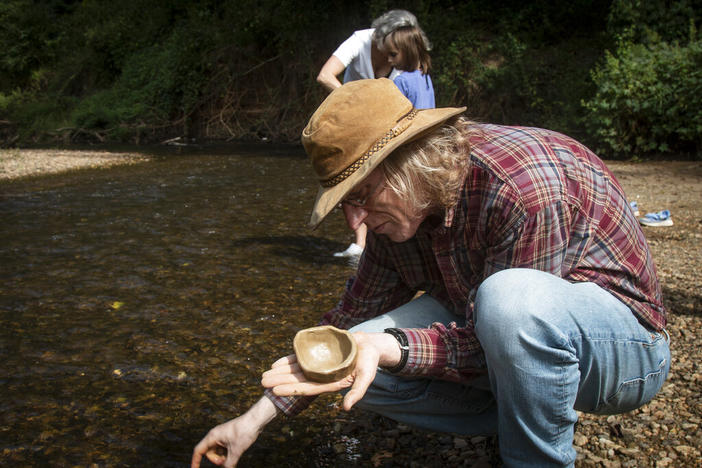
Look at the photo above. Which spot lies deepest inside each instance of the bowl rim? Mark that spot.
(346, 362)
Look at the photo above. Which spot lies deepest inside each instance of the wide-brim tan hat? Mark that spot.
(356, 127)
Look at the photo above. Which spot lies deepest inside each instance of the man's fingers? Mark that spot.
(289, 360)
(354, 396)
(361, 382)
(284, 368)
(195, 461)
(280, 376)
(270, 381)
(216, 458)
(308, 388)
(284, 371)
(200, 450)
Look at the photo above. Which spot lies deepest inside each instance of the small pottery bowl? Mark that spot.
(325, 354)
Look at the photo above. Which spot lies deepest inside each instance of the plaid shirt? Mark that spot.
(532, 198)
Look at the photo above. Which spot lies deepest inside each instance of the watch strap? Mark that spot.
(404, 349)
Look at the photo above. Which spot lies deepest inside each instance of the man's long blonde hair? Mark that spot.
(429, 172)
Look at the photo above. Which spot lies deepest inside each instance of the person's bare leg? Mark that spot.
(356, 247)
(361, 235)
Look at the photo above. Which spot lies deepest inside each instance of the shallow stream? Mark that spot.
(140, 304)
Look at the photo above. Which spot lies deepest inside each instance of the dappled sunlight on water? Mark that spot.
(140, 304)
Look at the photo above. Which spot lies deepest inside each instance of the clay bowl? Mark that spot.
(325, 354)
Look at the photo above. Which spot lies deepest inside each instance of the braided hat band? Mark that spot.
(402, 125)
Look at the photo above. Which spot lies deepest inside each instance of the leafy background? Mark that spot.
(624, 76)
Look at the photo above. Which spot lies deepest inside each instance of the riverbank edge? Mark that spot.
(21, 163)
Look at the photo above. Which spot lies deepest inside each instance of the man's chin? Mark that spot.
(388, 230)
(398, 237)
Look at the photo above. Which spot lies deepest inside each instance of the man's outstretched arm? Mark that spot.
(225, 444)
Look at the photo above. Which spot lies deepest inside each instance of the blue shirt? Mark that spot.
(417, 87)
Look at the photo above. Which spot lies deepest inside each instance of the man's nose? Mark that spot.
(354, 215)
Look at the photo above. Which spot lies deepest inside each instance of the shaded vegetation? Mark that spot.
(648, 96)
(144, 71)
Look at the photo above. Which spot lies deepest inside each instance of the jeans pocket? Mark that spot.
(637, 391)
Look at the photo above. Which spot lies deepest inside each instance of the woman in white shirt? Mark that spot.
(362, 57)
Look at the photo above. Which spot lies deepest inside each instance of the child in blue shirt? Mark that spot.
(408, 50)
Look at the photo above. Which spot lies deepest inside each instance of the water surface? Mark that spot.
(140, 304)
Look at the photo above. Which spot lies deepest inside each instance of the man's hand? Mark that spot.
(285, 377)
(225, 444)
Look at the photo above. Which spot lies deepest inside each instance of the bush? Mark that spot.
(652, 21)
(141, 70)
(159, 84)
(648, 100)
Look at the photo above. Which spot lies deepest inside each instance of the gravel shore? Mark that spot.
(17, 163)
(664, 433)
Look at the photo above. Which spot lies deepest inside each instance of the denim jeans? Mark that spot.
(551, 348)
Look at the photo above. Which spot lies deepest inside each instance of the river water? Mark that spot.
(140, 304)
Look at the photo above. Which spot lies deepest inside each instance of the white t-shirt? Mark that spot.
(355, 54)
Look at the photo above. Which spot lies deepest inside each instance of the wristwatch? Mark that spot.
(404, 349)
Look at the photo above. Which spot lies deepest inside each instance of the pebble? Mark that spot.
(459, 443)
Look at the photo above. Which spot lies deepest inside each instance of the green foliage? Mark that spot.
(156, 84)
(524, 64)
(30, 38)
(144, 70)
(648, 100)
(470, 69)
(33, 113)
(653, 21)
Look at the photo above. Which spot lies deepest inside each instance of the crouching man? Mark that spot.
(540, 293)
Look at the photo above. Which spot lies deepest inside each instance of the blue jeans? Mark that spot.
(551, 348)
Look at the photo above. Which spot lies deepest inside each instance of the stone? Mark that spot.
(579, 440)
(459, 443)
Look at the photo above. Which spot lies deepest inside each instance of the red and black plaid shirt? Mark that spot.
(532, 198)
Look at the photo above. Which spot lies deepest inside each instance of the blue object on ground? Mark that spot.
(661, 218)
